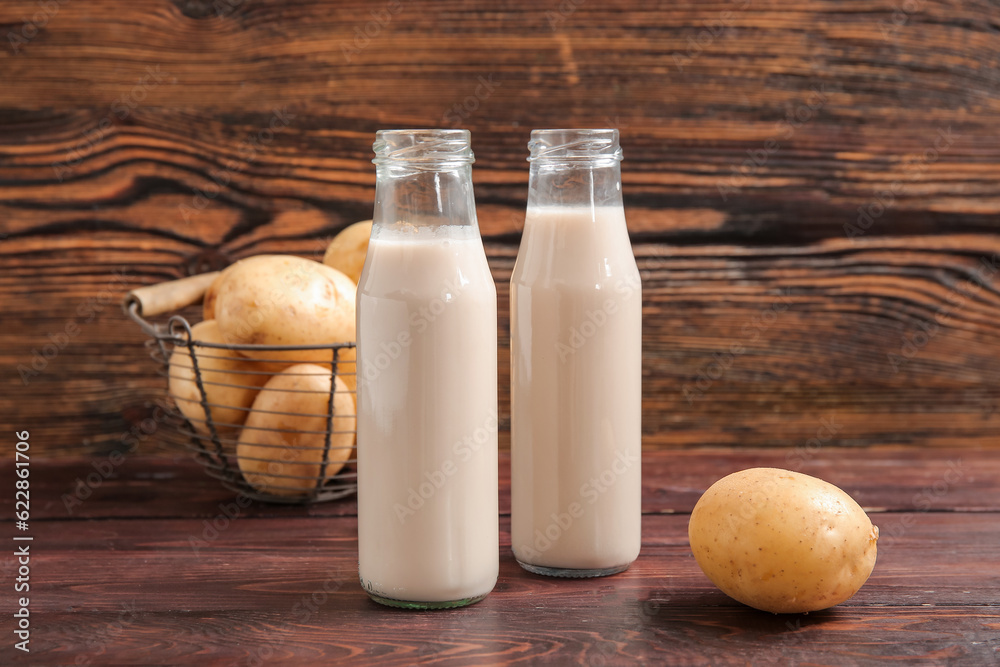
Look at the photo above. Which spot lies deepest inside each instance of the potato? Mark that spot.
(281, 454)
(231, 382)
(208, 301)
(212, 293)
(782, 541)
(287, 300)
(348, 249)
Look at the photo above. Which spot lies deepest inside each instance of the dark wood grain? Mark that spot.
(133, 591)
(124, 133)
(678, 636)
(838, 324)
(882, 480)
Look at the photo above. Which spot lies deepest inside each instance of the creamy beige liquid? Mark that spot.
(427, 422)
(576, 375)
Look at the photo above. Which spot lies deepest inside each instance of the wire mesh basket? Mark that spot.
(271, 429)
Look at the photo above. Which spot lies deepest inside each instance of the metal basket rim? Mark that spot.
(215, 460)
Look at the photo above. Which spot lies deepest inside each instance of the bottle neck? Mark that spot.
(428, 195)
(578, 183)
(423, 178)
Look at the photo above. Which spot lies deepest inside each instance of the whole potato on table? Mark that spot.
(231, 382)
(348, 249)
(782, 541)
(280, 449)
(288, 300)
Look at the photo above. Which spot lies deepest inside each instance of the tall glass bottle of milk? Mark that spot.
(428, 533)
(576, 364)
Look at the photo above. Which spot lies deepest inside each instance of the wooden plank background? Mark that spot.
(813, 189)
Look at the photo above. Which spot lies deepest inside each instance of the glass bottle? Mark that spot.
(576, 364)
(428, 534)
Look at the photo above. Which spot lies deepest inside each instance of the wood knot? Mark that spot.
(204, 9)
(209, 259)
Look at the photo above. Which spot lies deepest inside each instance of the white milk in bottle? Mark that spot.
(576, 364)
(427, 382)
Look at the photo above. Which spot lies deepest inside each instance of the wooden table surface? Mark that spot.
(760, 138)
(148, 569)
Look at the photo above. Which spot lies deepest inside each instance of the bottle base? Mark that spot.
(572, 573)
(411, 604)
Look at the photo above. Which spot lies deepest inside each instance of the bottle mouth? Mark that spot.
(423, 147)
(574, 145)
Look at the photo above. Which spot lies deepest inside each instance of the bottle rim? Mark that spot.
(429, 147)
(574, 145)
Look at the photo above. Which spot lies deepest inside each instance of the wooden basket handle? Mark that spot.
(153, 300)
